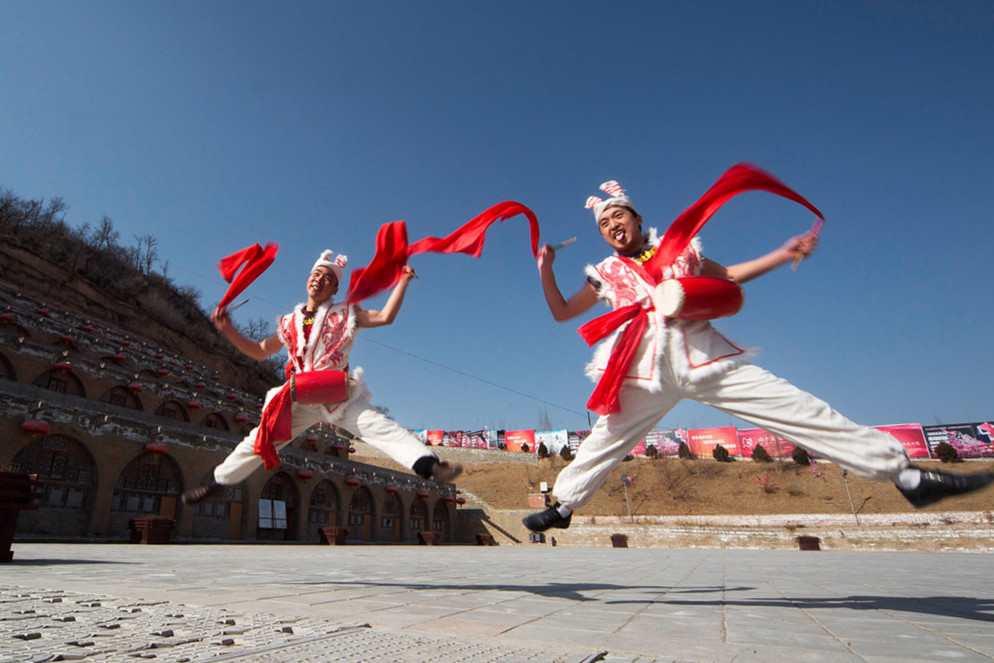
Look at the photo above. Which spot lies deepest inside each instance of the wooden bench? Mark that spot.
(17, 493)
(333, 536)
(429, 538)
(151, 530)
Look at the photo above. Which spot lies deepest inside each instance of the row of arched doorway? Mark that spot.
(284, 508)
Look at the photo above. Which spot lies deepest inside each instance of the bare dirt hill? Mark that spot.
(675, 487)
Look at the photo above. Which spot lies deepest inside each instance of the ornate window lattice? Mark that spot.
(144, 482)
(64, 468)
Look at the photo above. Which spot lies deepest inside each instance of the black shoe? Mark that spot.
(543, 520)
(202, 492)
(445, 472)
(937, 485)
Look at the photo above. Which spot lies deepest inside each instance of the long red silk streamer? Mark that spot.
(392, 249)
(252, 260)
(737, 179)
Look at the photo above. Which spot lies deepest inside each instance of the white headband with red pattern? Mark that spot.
(336, 264)
(618, 199)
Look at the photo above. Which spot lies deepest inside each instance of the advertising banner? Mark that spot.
(514, 439)
(666, 442)
(421, 435)
(576, 437)
(480, 439)
(639, 448)
(435, 437)
(911, 436)
(969, 440)
(704, 440)
(554, 440)
(775, 446)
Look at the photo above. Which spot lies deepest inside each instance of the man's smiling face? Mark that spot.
(621, 228)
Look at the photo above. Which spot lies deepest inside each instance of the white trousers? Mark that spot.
(357, 416)
(745, 391)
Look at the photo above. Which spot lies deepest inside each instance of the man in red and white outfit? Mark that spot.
(318, 336)
(676, 359)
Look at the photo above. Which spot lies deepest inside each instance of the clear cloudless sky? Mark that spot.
(216, 125)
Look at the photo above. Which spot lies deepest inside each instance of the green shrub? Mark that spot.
(720, 454)
(760, 455)
(946, 452)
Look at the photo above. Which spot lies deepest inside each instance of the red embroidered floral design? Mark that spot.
(623, 281)
(331, 340)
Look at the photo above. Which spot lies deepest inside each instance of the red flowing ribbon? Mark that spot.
(737, 179)
(392, 249)
(253, 260)
(274, 426)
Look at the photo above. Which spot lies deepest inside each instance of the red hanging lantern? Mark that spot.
(449, 498)
(43, 312)
(423, 493)
(216, 378)
(305, 474)
(232, 397)
(6, 319)
(36, 427)
(312, 438)
(351, 450)
(63, 367)
(135, 388)
(159, 355)
(119, 358)
(391, 489)
(193, 405)
(126, 343)
(200, 385)
(68, 340)
(241, 417)
(87, 328)
(156, 448)
(460, 501)
(353, 481)
(163, 372)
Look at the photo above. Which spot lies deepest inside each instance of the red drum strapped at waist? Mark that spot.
(698, 298)
(319, 387)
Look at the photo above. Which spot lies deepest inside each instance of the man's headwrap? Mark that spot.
(618, 199)
(336, 264)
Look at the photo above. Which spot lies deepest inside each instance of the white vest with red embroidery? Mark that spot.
(329, 343)
(693, 348)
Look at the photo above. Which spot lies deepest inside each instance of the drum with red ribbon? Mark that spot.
(698, 298)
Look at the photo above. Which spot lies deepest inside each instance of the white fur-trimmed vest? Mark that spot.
(694, 348)
(329, 343)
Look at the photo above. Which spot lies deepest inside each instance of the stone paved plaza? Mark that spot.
(377, 604)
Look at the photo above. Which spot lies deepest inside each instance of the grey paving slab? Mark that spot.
(520, 603)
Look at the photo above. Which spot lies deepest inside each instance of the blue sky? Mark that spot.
(215, 125)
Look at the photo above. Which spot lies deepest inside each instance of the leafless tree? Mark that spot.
(146, 254)
(104, 236)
